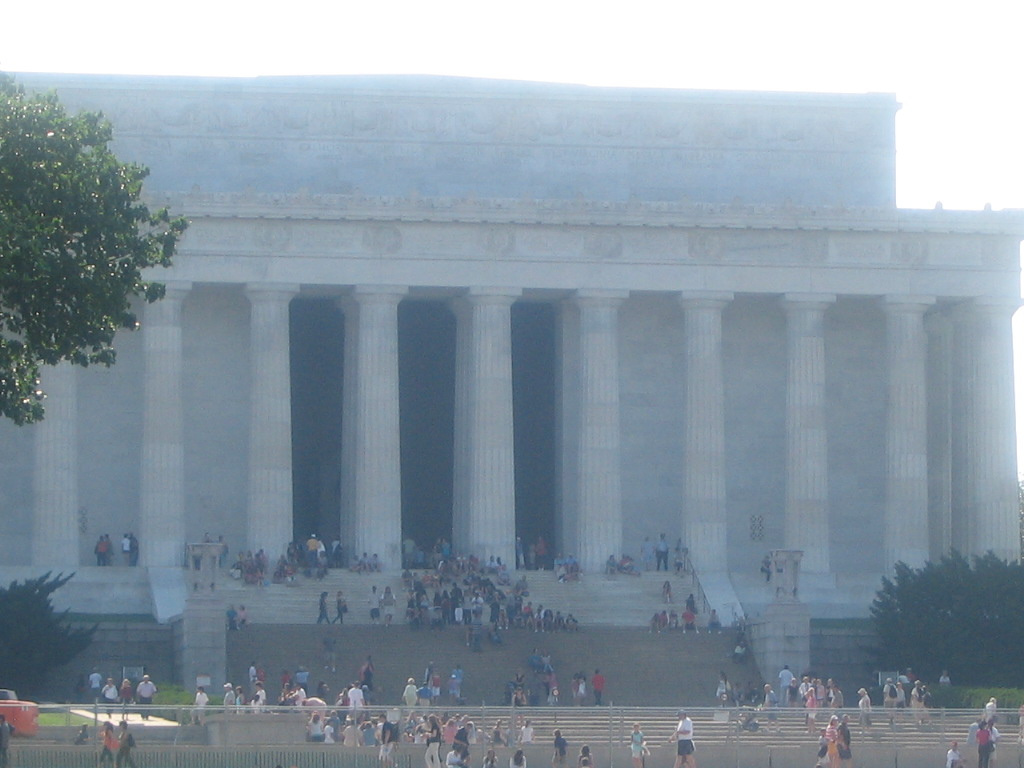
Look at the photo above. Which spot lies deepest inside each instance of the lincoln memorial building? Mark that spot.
(414, 307)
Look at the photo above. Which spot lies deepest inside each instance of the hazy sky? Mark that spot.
(957, 68)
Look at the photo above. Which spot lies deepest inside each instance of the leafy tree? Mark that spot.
(967, 617)
(33, 637)
(73, 239)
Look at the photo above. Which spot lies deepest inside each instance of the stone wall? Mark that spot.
(117, 645)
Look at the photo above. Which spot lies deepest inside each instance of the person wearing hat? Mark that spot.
(230, 697)
(683, 736)
(144, 693)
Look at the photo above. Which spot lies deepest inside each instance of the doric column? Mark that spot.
(55, 479)
(992, 507)
(484, 516)
(940, 433)
(906, 432)
(599, 490)
(704, 521)
(806, 435)
(162, 524)
(371, 445)
(270, 419)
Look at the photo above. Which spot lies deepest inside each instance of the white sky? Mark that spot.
(957, 68)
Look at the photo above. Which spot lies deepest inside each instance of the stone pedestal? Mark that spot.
(784, 637)
(203, 643)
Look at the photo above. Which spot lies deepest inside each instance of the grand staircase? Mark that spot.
(595, 600)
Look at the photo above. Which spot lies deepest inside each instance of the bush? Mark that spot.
(173, 696)
(951, 613)
(963, 697)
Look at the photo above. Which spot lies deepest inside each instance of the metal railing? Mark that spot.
(611, 723)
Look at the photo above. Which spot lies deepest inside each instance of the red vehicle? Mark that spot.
(23, 716)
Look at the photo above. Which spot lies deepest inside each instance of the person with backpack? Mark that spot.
(889, 698)
(125, 745)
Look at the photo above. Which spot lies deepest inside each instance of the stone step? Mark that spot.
(641, 668)
(595, 600)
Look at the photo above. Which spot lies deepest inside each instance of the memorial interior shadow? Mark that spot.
(426, 358)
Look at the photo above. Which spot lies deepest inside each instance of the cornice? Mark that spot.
(301, 206)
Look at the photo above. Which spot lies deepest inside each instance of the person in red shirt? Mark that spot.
(597, 683)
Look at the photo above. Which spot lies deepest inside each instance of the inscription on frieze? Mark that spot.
(382, 238)
(602, 245)
(912, 251)
(499, 241)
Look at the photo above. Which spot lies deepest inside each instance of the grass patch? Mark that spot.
(111, 618)
(60, 718)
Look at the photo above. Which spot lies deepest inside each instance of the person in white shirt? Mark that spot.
(144, 692)
(683, 736)
(526, 733)
(259, 698)
(198, 714)
(355, 697)
(953, 757)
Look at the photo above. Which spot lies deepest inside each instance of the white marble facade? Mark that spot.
(755, 349)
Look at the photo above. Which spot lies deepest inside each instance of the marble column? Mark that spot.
(992, 506)
(162, 508)
(906, 432)
(940, 433)
(704, 509)
(484, 514)
(270, 419)
(55, 481)
(371, 440)
(599, 463)
(806, 526)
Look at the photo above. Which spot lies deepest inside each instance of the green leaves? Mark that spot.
(74, 238)
(963, 616)
(33, 637)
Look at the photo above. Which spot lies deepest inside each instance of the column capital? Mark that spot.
(589, 297)
(176, 290)
(482, 296)
(361, 295)
(993, 305)
(705, 299)
(895, 302)
(819, 301)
